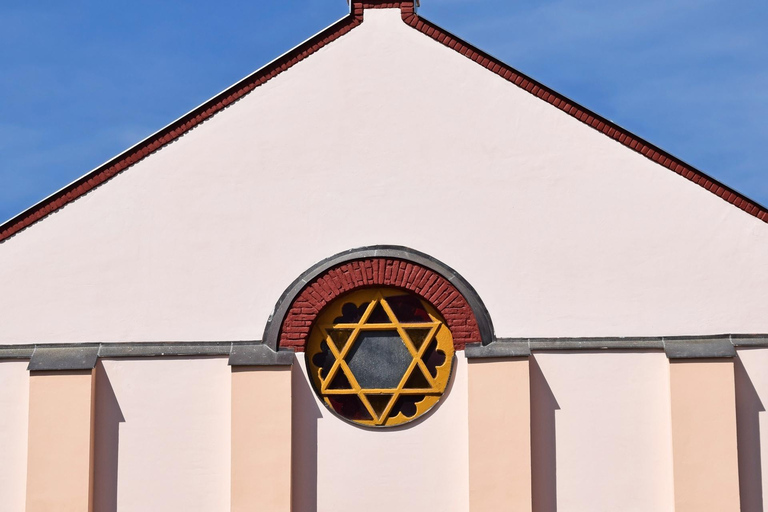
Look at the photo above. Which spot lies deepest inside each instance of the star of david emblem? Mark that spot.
(380, 361)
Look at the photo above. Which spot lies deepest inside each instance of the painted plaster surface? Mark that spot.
(704, 436)
(341, 467)
(261, 439)
(60, 441)
(499, 436)
(14, 414)
(601, 433)
(387, 137)
(163, 435)
(751, 395)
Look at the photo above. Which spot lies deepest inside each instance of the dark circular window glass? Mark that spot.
(380, 357)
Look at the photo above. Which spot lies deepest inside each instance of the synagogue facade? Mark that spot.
(387, 271)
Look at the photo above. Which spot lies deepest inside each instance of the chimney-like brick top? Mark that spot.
(408, 7)
(383, 4)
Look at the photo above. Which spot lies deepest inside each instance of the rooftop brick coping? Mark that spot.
(330, 34)
(343, 278)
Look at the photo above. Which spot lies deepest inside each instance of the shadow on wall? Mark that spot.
(106, 445)
(305, 415)
(748, 409)
(543, 442)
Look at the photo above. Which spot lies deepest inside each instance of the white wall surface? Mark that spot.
(602, 438)
(14, 418)
(344, 468)
(387, 137)
(751, 397)
(163, 435)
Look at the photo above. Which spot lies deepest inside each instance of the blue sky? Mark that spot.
(82, 80)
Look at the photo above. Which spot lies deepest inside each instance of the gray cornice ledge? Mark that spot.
(681, 347)
(16, 351)
(259, 354)
(166, 349)
(705, 347)
(522, 347)
(750, 340)
(66, 358)
(83, 356)
(592, 344)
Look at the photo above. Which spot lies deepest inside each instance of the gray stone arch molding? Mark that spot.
(272, 331)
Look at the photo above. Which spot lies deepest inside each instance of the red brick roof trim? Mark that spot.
(583, 114)
(179, 127)
(174, 130)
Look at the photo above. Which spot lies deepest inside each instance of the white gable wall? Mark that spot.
(163, 435)
(341, 467)
(601, 435)
(386, 136)
(14, 416)
(751, 397)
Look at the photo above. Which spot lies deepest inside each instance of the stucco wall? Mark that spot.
(345, 468)
(162, 435)
(14, 418)
(385, 136)
(751, 397)
(601, 441)
(601, 438)
(601, 432)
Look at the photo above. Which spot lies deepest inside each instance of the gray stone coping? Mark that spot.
(498, 349)
(82, 357)
(259, 355)
(699, 348)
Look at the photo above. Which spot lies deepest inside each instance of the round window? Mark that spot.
(380, 357)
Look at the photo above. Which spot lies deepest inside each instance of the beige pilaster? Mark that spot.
(60, 453)
(499, 435)
(261, 438)
(704, 443)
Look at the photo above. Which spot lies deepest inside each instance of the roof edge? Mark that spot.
(583, 114)
(182, 125)
(177, 128)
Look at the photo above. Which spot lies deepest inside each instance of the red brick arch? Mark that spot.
(394, 272)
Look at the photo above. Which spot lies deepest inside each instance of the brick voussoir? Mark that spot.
(335, 281)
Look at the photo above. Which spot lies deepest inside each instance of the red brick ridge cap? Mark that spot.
(176, 129)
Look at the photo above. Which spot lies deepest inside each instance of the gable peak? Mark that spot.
(407, 7)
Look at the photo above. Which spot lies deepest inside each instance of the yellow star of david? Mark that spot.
(382, 370)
